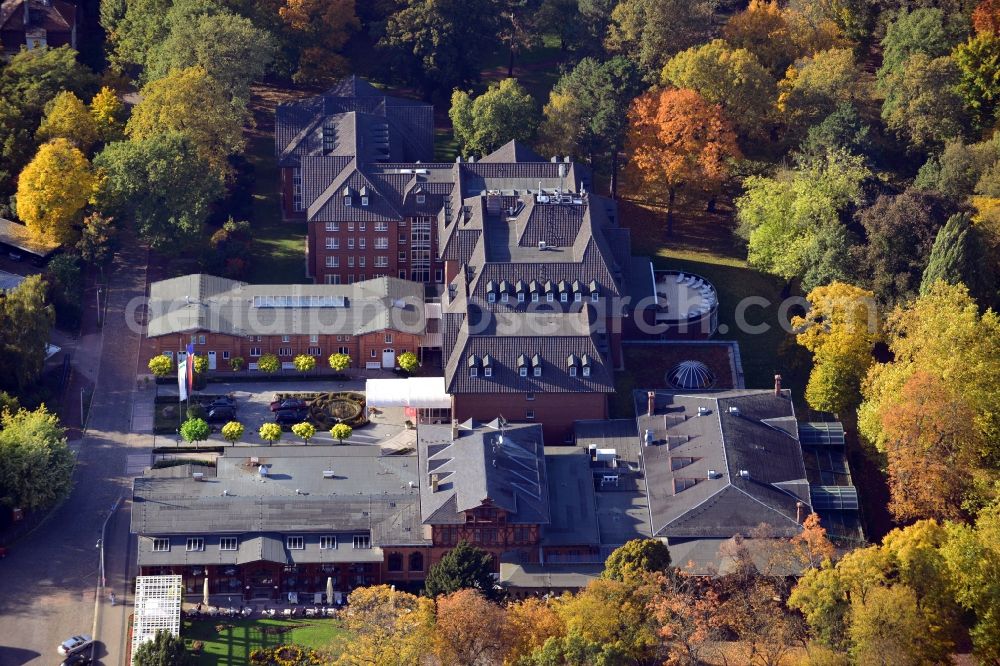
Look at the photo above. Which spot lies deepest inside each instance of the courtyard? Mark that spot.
(231, 641)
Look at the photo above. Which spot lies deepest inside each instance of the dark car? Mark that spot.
(221, 401)
(77, 659)
(221, 413)
(289, 417)
(288, 403)
(15, 255)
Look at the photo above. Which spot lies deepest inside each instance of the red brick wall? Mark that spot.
(555, 411)
(359, 347)
(288, 211)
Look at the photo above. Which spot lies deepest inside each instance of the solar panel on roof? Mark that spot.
(821, 434)
(841, 498)
(299, 301)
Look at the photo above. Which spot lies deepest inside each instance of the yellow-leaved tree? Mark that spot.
(386, 627)
(840, 330)
(67, 117)
(53, 190)
(108, 113)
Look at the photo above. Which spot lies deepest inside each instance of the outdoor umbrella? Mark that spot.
(204, 595)
(329, 589)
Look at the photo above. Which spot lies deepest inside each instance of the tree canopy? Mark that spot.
(503, 113)
(637, 557)
(163, 650)
(36, 463)
(463, 567)
(53, 190)
(650, 31)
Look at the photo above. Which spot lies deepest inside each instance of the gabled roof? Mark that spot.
(722, 463)
(56, 15)
(200, 302)
(495, 464)
(513, 151)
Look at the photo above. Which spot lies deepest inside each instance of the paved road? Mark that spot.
(48, 580)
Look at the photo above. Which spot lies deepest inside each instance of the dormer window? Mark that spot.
(473, 371)
(534, 297)
(487, 371)
(585, 362)
(523, 372)
(520, 297)
(364, 201)
(537, 371)
(549, 297)
(563, 297)
(572, 371)
(491, 297)
(595, 297)
(577, 297)
(586, 371)
(522, 365)
(473, 365)
(504, 297)
(347, 196)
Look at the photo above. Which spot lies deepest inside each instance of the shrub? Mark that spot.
(236, 363)
(270, 432)
(304, 362)
(407, 361)
(341, 431)
(268, 363)
(339, 362)
(161, 365)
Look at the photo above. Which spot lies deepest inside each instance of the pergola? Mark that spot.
(157, 608)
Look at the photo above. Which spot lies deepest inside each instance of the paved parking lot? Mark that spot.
(253, 409)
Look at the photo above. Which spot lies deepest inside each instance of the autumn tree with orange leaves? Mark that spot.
(928, 434)
(324, 27)
(986, 17)
(470, 629)
(677, 141)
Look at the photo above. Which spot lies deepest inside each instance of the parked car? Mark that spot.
(289, 417)
(75, 644)
(222, 401)
(288, 403)
(77, 659)
(221, 414)
(15, 255)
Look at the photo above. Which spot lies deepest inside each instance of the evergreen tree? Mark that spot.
(163, 650)
(463, 567)
(959, 256)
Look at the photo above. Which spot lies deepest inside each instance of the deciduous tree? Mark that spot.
(190, 102)
(109, 115)
(407, 361)
(53, 190)
(503, 113)
(339, 362)
(304, 362)
(732, 78)
(36, 464)
(637, 558)
(840, 329)
(164, 649)
(161, 183)
(978, 62)
(97, 236)
(67, 117)
(269, 363)
(323, 27)
(230, 48)
(778, 36)
(678, 140)
(816, 86)
(888, 627)
(26, 320)
(463, 567)
(986, 17)
(530, 622)
(387, 628)
(270, 433)
(929, 31)
(195, 431)
(650, 31)
(232, 432)
(160, 365)
(304, 430)
(341, 431)
(923, 102)
(470, 629)
(785, 218)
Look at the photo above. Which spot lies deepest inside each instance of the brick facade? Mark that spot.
(555, 411)
(363, 349)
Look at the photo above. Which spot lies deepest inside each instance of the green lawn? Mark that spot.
(232, 646)
(704, 244)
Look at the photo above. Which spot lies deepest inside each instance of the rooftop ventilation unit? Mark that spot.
(542, 245)
(713, 474)
(734, 410)
(703, 411)
(648, 439)
(328, 474)
(262, 470)
(744, 474)
(197, 476)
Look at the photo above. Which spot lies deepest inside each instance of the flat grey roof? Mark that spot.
(572, 498)
(555, 577)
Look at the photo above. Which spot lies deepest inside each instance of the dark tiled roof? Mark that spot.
(723, 470)
(502, 465)
(513, 151)
(549, 339)
(332, 206)
(56, 15)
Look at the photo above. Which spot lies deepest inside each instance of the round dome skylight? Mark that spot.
(690, 376)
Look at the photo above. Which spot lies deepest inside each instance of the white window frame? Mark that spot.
(520, 297)
(229, 543)
(421, 198)
(295, 543)
(388, 338)
(595, 297)
(255, 351)
(194, 544)
(523, 371)
(161, 545)
(328, 542)
(504, 297)
(536, 371)
(572, 371)
(362, 541)
(586, 371)
(487, 371)
(473, 371)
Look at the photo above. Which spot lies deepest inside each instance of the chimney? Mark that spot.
(434, 483)
(777, 385)
(799, 506)
(454, 429)
(650, 403)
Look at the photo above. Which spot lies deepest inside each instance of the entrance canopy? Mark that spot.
(415, 392)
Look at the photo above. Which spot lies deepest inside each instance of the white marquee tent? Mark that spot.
(414, 392)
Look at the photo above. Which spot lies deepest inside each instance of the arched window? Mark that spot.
(395, 562)
(416, 561)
